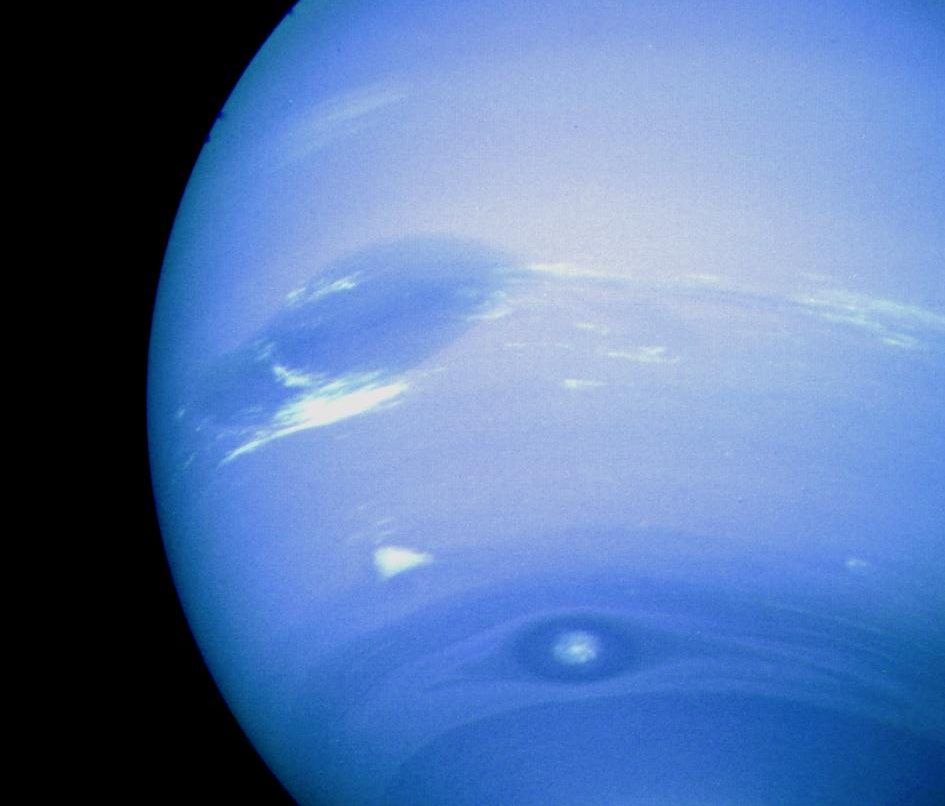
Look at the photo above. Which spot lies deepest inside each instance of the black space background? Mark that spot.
(178, 742)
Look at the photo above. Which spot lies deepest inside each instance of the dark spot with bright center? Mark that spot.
(576, 648)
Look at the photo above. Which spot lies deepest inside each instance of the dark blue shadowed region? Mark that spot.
(673, 751)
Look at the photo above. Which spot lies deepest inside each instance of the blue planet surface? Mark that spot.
(546, 403)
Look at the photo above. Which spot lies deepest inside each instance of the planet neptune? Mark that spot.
(546, 402)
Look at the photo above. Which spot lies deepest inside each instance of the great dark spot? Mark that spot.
(364, 319)
(378, 311)
(387, 307)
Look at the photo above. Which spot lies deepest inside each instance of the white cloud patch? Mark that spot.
(337, 117)
(654, 354)
(895, 324)
(498, 312)
(389, 561)
(902, 341)
(856, 565)
(581, 384)
(293, 378)
(565, 269)
(321, 406)
(592, 327)
(306, 294)
(703, 279)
